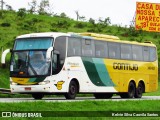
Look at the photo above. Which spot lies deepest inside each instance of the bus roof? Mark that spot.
(111, 38)
(86, 35)
(45, 34)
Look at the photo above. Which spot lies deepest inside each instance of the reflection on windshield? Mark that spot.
(29, 63)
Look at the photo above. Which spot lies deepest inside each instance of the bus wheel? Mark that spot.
(37, 96)
(131, 91)
(103, 95)
(139, 90)
(72, 91)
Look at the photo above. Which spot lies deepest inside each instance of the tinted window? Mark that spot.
(114, 50)
(126, 51)
(33, 43)
(146, 53)
(137, 52)
(88, 48)
(152, 54)
(60, 45)
(74, 46)
(101, 49)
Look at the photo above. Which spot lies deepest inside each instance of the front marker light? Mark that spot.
(13, 83)
(44, 82)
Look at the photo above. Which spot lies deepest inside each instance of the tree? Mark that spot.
(83, 18)
(32, 5)
(77, 14)
(104, 22)
(44, 7)
(92, 21)
(63, 15)
(8, 7)
(107, 21)
(22, 12)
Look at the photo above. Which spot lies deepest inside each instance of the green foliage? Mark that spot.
(5, 24)
(92, 21)
(43, 8)
(21, 12)
(80, 25)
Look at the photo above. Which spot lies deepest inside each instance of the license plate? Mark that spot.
(27, 88)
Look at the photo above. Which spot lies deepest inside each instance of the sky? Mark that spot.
(121, 12)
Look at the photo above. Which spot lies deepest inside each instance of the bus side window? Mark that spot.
(152, 54)
(74, 46)
(126, 51)
(137, 53)
(60, 46)
(146, 53)
(101, 49)
(55, 63)
(114, 50)
(88, 48)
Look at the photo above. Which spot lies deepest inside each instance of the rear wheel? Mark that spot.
(139, 90)
(103, 95)
(131, 91)
(73, 89)
(37, 96)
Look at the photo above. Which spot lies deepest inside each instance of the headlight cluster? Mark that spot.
(13, 83)
(44, 82)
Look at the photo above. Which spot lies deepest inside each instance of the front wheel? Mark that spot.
(38, 96)
(73, 89)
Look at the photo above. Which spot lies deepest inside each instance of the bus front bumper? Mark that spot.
(31, 89)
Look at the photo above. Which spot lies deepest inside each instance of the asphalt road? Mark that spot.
(62, 99)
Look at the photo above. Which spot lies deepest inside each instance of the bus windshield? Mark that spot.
(33, 43)
(29, 63)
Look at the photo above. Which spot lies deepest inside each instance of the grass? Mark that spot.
(86, 109)
(139, 105)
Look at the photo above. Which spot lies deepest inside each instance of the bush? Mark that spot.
(21, 12)
(80, 25)
(5, 24)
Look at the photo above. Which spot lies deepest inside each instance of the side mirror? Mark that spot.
(48, 54)
(4, 54)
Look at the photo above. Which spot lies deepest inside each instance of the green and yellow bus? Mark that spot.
(72, 63)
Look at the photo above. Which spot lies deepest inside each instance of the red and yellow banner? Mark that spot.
(148, 16)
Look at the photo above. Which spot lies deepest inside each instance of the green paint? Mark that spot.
(92, 72)
(102, 71)
(97, 71)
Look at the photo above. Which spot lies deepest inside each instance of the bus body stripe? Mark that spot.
(97, 71)
(92, 72)
(27, 81)
(103, 72)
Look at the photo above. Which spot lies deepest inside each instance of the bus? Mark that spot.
(73, 63)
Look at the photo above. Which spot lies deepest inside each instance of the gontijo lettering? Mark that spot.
(125, 66)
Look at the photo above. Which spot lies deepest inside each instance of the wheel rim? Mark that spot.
(72, 89)
(140, 89)
(131, 91)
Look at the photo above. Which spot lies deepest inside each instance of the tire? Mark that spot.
(139, 90)
(73, 90)
(103, 95)
(131, 91)
(38, 96)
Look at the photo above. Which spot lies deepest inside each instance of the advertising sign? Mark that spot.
(148, 16)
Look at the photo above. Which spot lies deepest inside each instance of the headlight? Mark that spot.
(44, 82)
(13, 83)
